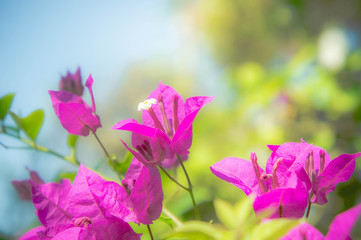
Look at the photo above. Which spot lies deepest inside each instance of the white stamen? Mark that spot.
(146, 104)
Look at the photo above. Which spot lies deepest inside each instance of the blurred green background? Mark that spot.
(280, 71)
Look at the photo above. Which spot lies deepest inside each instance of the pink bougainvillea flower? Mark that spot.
(72, 83)
(314, 167)
(74, 212)
(288, 198)
(24, 188)
(339, 229)
(139, 200)
(74, 114)
(167, 126)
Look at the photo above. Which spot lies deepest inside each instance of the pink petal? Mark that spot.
(109, 229)
(72, 83)
(23, 188)
(69, 234)
(52, 231)
(137, 155)
(342, 225)
(89, 85)
(289, 202)
(133, 126)
(239, 172)
(82, 201)
(195, 103)
(161, 147)
(147, 195)
(294, 156)
(31, 235)
(338, 170)
(50, 200)
(63, 97)
(168, 94)
(77, 119)
(303, 231)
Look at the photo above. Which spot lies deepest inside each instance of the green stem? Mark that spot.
(190, 188)
(150, 232)
(172, 216)
(108, 157)
(171, 178)
(33, 146)
(308, 210)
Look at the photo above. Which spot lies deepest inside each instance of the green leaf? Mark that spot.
(198, 231)
(167, 221)
(273, 229)
(244, 211)
(225, 213)
(31, 124)
(122, 166)
(5, 103)
(67, 175)
(72, 139)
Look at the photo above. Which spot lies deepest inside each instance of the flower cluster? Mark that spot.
(297, 175)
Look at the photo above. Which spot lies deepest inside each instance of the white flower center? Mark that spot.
(146, 104)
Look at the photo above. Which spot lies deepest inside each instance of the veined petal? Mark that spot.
(338, 170)
(161, 147)
(133, 126)
(137, 155)
(342, 225)
(168, 93)
(239, 172)
(77, 120)
(70, 233)
(52, 231)
(294, 156)
(108, 229)
(82, 200)
(111, 198)
(147, 195)
(184, 142)
(195, 103)
(287, 202)
(51, 201)
(89, 85)
(63, 97)
(303, 231)
(32, 234)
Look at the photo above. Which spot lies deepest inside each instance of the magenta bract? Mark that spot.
(340, 228)
(74, 114)
(167, 127)
(287, 198)
(78, 211)
(24, 188)
(313, 166)
(72, 83)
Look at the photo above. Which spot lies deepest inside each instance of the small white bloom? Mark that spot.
(146, 104)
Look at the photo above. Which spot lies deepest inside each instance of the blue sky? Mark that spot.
(41, 40)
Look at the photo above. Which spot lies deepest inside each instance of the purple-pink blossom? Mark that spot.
(287, 198)
(72, 83)
(166, 131)
(340, 228)
(313, 166)
(78, 211)
(75, 115)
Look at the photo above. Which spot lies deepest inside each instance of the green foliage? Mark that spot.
(237, 222)
(122, 166)
(72, 140)
(5, 103)
(31, 124)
